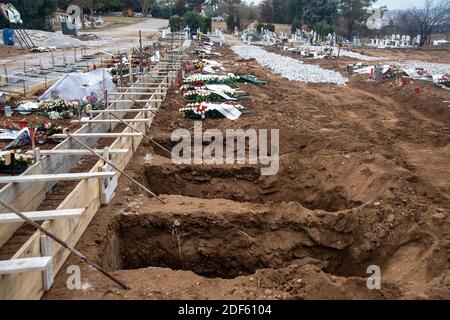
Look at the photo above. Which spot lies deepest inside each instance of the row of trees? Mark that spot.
(320, 15)
(349, 16)
(433, 17)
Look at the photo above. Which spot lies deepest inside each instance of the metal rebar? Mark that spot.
(66, 131)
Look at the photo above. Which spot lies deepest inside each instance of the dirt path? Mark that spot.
(123, 37)
(362, 182)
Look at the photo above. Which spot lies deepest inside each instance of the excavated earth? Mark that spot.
(363, 180)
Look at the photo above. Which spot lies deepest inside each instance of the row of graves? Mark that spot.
(402, 74)
(394, 41)
(308, 44)
(215, 37)
(209, 91)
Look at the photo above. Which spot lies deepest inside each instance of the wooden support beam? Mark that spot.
(98, 135)
(122, 110)
(43, 264)
(76, 152)
(108, 120)
(126, 93)
(55, 177)
(142, 101)
(143, 88)
(24, 265)
(42, 215)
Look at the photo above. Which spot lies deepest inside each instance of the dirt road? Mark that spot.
(117, 38)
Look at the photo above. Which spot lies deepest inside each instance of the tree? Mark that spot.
(266, 11)
(321, 12)
(407, 24)
(434, 14)
(296, 10)
(63, 4)
(354, 11)
(195, 5)
(180, 7)
(176, 23)
(35, 14)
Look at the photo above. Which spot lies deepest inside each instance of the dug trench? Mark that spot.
(257, 247)
(346, 197)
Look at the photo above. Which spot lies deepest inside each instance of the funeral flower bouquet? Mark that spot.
(91, 103)
(57, 109)
(229, 79)
(20, 159)
(203, 110)
(49, 128)
(205, 95)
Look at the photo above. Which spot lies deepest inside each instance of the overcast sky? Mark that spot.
(391, 4)
(400, 4)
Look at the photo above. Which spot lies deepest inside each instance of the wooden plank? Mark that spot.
(136, 100)
(123, 110)
(108, 120)
(78, 152)
(141, 86)
(42, 215)
(86, 195)
(99, 135)
(56, 177)
(30, 285)
(24, 265)
(137, 93)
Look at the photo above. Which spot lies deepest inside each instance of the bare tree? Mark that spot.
(146, 4)
(407, 24)
(433, 14)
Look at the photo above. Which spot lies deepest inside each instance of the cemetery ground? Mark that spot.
(363, 181)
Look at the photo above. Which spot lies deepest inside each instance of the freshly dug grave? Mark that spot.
(225, 239)
(310, 186)
(361, 182)
(243, 250)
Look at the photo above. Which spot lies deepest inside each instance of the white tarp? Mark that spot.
(229, 111)
(10, 134)
(24, 108)
(76, 86)
(220, 87)
(10, 13)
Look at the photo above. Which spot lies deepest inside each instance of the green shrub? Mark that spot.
(208, 24)
(233, 21)
(267, 26)
(230, 23)
(176, 23)
(296, 24)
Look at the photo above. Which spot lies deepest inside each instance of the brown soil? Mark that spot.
(8, 51)
(362, 181)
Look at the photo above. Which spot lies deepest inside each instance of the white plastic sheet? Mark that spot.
(228, 110)
(24, 108)
(76, 86)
